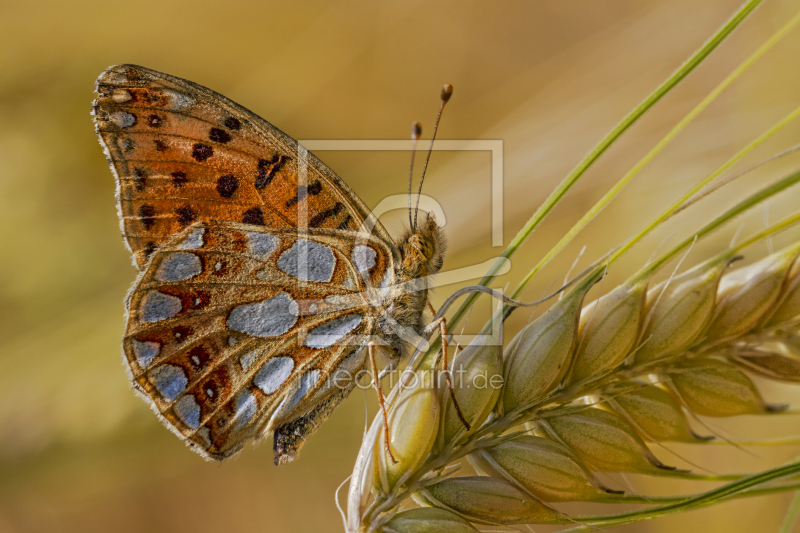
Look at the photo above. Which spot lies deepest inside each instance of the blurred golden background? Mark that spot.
(79, 452)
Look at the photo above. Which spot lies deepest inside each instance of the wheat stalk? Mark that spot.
(586, 388)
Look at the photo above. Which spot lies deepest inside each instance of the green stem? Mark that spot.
(791, 514)
(590, 158)
(633, 498)
(701, 500)
(696, 476)
(679, 204)
(736, 210)
(617, 188)
(784, 441)
(766, 232)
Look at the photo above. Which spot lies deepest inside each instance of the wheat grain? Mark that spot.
(608, 330)
(432, 518)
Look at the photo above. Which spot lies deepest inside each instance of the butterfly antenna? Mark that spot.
(416, 131)
(447, 92)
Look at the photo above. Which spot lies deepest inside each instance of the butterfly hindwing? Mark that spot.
(235, 329)
(182, 153)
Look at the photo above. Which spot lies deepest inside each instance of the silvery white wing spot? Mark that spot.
(263, 276)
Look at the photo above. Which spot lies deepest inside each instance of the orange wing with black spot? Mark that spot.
(182, 153)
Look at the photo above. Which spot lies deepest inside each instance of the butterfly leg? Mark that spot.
(443, 331)
(376, 382)
(442, 325)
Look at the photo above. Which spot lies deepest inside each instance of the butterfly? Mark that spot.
(264, 280)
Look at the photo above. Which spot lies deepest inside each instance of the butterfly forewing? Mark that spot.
(234, 329)
(183, 153)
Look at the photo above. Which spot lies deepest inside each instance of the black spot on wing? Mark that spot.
(227, 185)
(149, 248)
(147, 215)
(181, 333)
(267, 168)
(221, 268)
(219, 136)
(139, 178)
(254, 216)
(320, 218)
(211, 389)
(201, 152)
(201, 299)
(179, 179)
(199, 357)
(232, 123)
(186, 215)
(313, 189)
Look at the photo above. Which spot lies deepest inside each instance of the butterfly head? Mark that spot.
(422, 249)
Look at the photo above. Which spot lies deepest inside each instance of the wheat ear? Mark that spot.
(586, 389)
